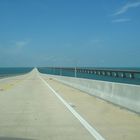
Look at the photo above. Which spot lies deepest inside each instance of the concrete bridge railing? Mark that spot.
(125, 95)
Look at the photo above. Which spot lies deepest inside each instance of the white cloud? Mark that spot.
(18, 46)
(126, 7)
(94, 41)
(121, 20)
(14, 47)
(21, 44)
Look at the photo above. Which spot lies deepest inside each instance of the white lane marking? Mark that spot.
(91, 130)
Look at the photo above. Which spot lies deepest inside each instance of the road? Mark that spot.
(35, 107)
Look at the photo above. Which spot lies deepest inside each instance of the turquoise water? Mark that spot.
(71, 73)
(5, 72)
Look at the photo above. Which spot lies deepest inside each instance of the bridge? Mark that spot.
(130, 76)
(37, 106)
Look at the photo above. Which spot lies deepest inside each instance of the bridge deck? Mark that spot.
(30, 110)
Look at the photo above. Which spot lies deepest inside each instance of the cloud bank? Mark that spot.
(126, 7)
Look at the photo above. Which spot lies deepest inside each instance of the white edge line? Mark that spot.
(91, 130)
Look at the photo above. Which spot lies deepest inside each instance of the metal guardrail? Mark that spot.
(102, 72)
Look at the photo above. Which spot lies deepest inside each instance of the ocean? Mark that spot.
(6, 72)
(71, 73)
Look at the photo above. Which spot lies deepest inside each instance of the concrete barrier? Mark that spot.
(125, 95)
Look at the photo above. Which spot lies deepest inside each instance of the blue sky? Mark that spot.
(95, 33)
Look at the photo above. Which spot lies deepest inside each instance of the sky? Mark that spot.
(90, 33)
